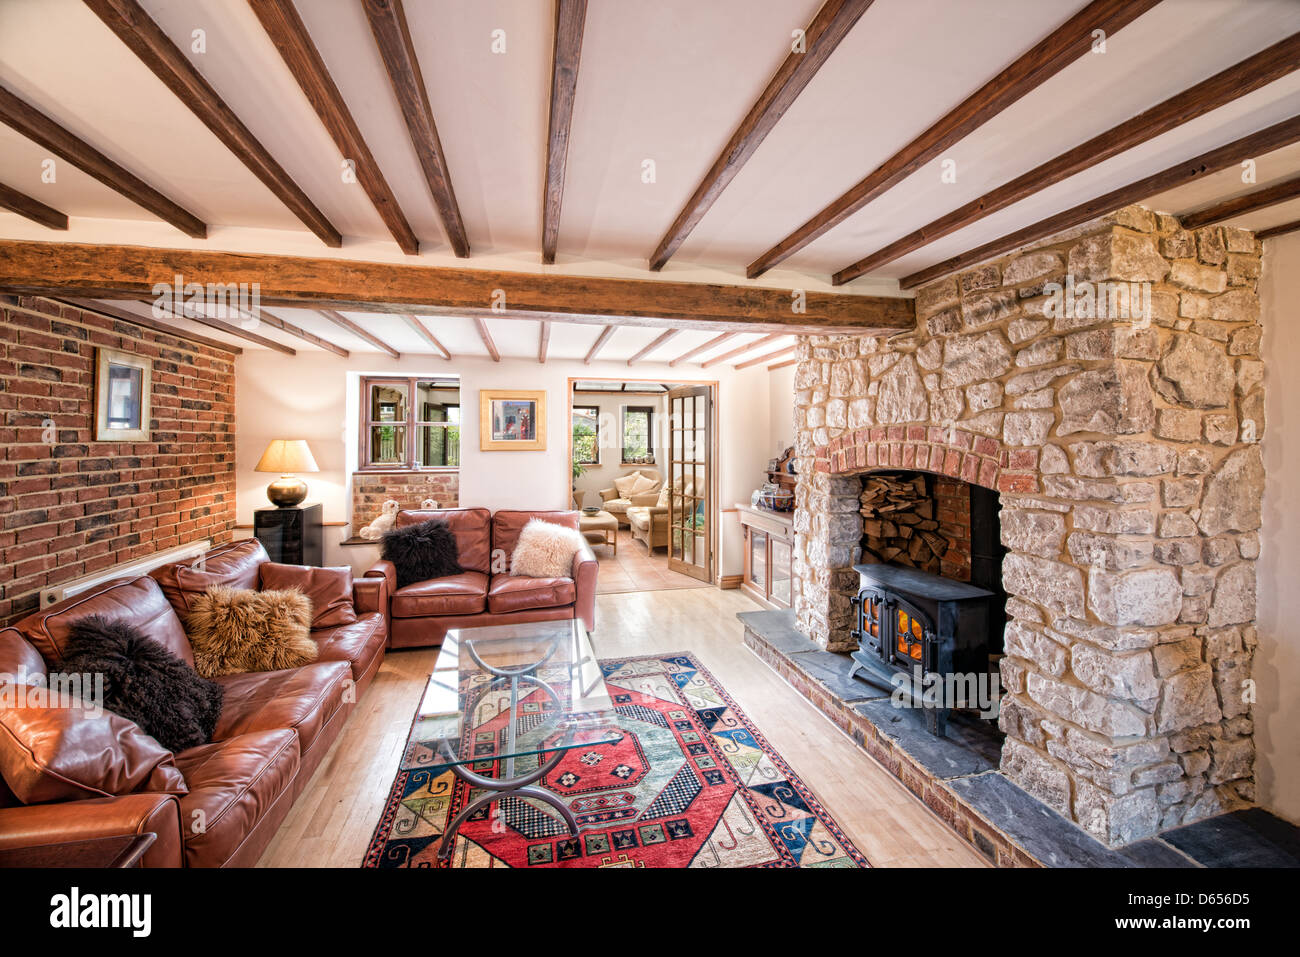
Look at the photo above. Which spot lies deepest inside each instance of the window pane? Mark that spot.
(586, 435)
(437, 400)
(388, 445)
(437, 446)
(388, 402)
(636, 435)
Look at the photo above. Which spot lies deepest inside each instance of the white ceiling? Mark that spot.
(666, 82)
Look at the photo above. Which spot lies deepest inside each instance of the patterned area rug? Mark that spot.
(692, 784)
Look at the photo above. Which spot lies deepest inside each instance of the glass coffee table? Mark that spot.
(504, 705)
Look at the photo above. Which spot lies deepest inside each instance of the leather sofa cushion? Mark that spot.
(356, 644)
(139, 601)
(463, 594)
(507, 524)
(56, 749)
(328, 589)
(518, 593)
(233, 784)
(234, 565)
(300, 698)
(471, 526)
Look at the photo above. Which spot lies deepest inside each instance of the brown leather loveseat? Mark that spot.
(275, 726)
(485, 593)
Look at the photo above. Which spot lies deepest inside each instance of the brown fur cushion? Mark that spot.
(235, 630)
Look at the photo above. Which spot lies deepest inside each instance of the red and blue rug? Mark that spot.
(692, 784)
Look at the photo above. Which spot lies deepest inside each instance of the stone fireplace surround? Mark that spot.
(1126, 454)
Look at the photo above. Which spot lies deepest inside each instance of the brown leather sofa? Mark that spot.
(275, 726)
(485, 593)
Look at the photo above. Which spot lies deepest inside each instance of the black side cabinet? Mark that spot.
(291, 535)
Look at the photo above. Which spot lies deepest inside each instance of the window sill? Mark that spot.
(434, 470)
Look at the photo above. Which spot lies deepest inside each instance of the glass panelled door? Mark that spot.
(690, 528)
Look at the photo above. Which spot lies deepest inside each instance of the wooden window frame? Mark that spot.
(412, 424)
(649, 411)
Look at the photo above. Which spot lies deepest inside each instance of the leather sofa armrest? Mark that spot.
(33, 824)
(585, 569)
(370, 594)
(386, 570)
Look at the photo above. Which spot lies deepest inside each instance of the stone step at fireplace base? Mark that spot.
(957, 776)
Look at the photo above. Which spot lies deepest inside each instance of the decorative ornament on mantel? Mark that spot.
(287, 456)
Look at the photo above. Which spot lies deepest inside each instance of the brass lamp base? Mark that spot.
(286, 491)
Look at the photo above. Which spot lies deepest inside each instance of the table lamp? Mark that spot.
(287, 456)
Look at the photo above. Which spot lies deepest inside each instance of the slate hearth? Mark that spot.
(957, 777)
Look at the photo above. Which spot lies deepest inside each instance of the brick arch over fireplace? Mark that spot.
(954, 452)
(1125, 452)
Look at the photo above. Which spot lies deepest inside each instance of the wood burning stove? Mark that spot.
(915, 624)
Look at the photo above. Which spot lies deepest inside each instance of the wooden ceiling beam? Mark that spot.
(781, 365)
(36, 126)
(32, 209)
(543, 340)
(1049, 56)
(598, 344)
(284, 325)
(135, 28)
(831, 25)
(229, 328)
(741, 350)
(422, 331)
(658, 341)
(1256, 199)
(124, 315)
(130, 272)
(1236, 81)
(1280, 230)
(766, 357)
(699, 350)
(343, 322)
(570, 18)
(1230, 154)
(393, 37)
(486, 335)
(284, 26)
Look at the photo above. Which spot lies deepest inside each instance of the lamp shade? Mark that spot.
(287, 455)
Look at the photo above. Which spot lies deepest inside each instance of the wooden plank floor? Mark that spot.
(331, 823)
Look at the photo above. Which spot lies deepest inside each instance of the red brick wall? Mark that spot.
(72, 506)
(371, 489)
(952, 499)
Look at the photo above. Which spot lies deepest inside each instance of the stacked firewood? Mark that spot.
(898, 523)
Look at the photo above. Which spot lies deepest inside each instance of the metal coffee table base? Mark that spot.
(499, 788)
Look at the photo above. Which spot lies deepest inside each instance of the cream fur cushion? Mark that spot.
(545, 550)
(663, 498)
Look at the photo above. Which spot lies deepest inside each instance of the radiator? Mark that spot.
(181, 553)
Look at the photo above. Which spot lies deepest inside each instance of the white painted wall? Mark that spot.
(781, 409)
(1277, 660)
(315, 396)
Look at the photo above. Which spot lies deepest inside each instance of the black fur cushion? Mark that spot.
(145, 683)
(420, 552)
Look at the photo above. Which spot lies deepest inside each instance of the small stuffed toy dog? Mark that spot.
(384, 523)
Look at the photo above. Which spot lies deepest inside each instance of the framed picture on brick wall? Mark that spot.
(122, 386)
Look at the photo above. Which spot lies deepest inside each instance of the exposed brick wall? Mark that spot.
(952, 499)
(72, 506)
(371, 489)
